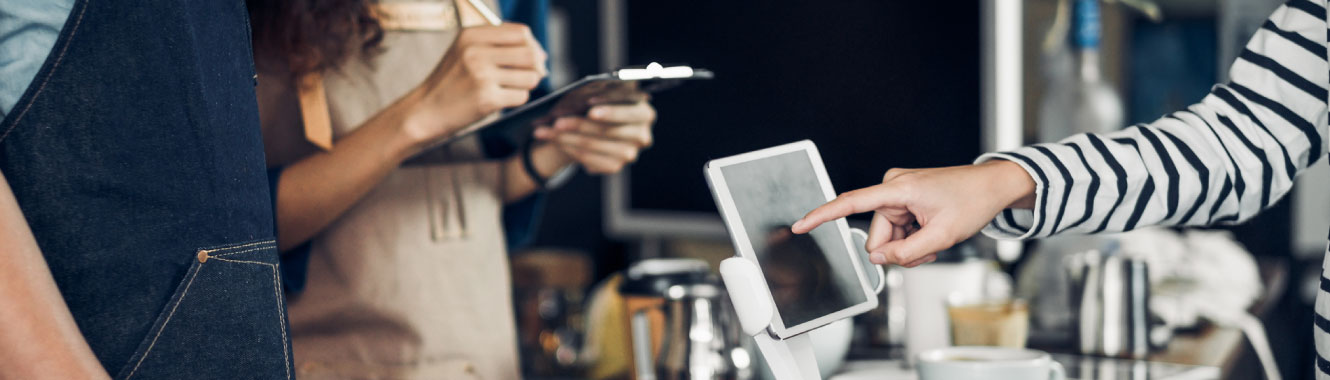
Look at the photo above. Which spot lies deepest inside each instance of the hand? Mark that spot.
(607, 138)
(919, 212)
(487, 69)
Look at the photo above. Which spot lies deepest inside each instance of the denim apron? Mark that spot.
(136, 157)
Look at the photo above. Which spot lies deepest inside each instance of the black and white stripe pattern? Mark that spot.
(1222, 160)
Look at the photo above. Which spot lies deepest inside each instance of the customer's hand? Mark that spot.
(608, 137)
(487, 69)
(919, 212)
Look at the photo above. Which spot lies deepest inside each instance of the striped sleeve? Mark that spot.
(1222, 160)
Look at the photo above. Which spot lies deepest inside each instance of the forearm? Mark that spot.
(1191, 168)
(1222, 160)
(316, 190)
(38, 339)
(547, 160)
(1012, 183)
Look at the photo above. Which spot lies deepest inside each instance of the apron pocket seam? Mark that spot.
(276, 288)
(192, 275)
(229, 249)
(266, 247)
(196, 272)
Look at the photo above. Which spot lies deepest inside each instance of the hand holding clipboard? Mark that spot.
(620, 86)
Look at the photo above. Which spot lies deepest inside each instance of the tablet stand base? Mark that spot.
(789, 359)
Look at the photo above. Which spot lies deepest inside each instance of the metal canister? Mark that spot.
(1112, 297)
(696, 344)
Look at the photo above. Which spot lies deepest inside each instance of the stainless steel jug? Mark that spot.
(701, 338)
(644, 289)
(1111, 298)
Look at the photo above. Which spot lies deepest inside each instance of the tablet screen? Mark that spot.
(810, 275)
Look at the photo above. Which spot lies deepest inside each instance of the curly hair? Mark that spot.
(314, 35)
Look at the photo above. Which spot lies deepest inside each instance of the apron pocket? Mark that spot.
(226, 320)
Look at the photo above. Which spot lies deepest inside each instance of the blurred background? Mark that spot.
(883, 84)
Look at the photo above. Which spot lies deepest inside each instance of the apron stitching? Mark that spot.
(247, 250)
(457, 197)
(281, 315)
(242, 261)
(49, 73)
(438, 222)
(242, 246)
(165, 323)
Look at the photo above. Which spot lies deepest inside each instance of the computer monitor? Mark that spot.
(875, 84)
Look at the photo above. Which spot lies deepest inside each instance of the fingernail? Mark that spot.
(599, 112)
(797, 224)
(878, 258)
(541, 133)
(595, 100)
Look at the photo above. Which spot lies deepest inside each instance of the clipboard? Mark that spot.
(517, 124)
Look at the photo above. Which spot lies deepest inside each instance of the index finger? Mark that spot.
(623, 113)
(854, 202)
(541, 55)
(639, 134)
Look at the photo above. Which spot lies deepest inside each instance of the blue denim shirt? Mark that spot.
(521, 219)
(28, 29)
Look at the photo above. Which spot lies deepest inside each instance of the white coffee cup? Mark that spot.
(988, 363)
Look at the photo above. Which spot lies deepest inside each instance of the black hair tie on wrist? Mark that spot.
(530, 166)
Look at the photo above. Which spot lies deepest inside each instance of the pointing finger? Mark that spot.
(854, 202)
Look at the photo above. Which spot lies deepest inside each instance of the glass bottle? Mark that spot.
(1079, 100)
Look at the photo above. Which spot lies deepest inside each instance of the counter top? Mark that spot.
(1078, 368)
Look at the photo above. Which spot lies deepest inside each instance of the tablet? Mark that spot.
(517, 124)
(815, 278)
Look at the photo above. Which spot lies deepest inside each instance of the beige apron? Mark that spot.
(413, 281)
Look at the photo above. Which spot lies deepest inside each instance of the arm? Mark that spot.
(488, 69)
(1220, 161)
(38, 339)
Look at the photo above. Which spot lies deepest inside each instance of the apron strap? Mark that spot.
(314, 110)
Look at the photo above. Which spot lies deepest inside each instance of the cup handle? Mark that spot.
(881, 273)
(1055, 371)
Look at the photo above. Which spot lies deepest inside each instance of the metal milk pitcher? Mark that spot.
(1110, 296)
(700, 336)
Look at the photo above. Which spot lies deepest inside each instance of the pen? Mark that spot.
(486, 12)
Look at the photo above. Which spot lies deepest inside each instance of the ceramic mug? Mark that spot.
(988, 363)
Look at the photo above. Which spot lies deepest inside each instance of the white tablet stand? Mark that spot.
(789, 359)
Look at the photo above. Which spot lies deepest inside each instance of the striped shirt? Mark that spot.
(1220, 161)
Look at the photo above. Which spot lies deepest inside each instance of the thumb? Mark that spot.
(907, 252)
